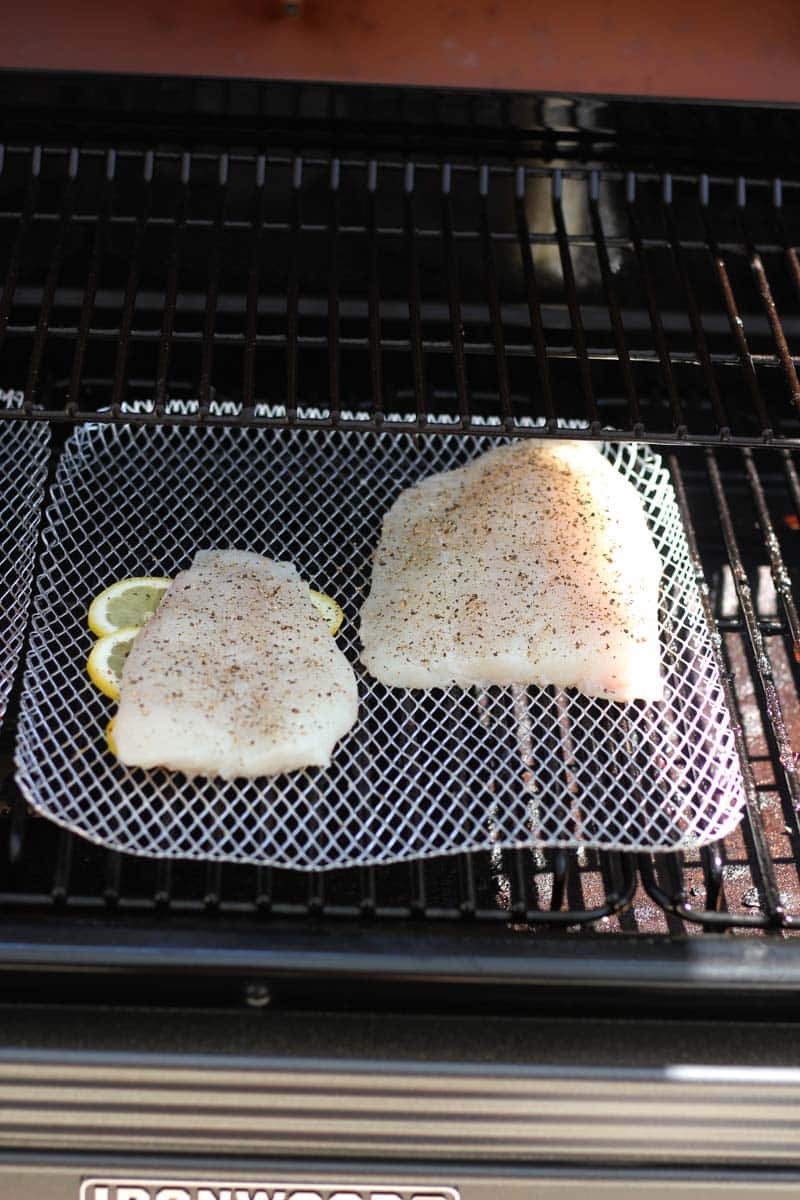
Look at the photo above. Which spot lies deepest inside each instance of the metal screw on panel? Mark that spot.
(292, 8)
(257, 995)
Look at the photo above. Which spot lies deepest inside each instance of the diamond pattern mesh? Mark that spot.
(421, 774)
(24, 449)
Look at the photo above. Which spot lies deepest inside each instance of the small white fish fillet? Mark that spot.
(235, 674)
(531, 565)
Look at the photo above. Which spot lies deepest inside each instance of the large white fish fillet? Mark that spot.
(531, 565)
(235, 674)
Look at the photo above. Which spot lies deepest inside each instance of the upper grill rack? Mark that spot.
(661, 305)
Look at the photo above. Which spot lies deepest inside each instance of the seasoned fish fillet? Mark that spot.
(531, 565)
(235, 674)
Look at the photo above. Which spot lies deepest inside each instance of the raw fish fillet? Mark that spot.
(235, 674)
(531, 565)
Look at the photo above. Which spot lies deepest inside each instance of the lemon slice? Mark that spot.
(107, 659)
(330, 610)
(126, 604)
(110, 743)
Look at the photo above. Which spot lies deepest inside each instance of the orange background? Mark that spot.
(739, 49)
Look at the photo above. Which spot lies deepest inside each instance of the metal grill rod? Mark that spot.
(579, 337)
(656, 322)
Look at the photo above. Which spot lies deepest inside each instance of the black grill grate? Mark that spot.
(744, 538)
(647, 302)
(664, 305)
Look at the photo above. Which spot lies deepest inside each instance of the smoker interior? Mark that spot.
(556, 268)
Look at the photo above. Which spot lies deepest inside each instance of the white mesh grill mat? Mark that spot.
(421, 774)
(24, 449)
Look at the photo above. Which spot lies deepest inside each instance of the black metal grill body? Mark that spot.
(371, 253)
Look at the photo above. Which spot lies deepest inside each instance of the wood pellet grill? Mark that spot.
(356, 262)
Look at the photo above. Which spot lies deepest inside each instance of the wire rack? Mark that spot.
(422, 773)
(661, 303)
(24, 454)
